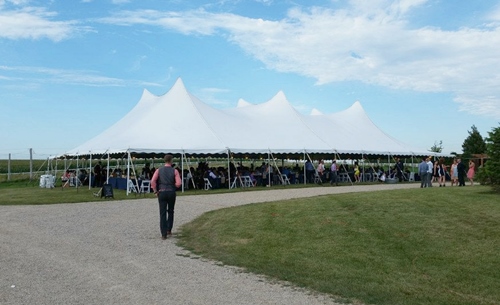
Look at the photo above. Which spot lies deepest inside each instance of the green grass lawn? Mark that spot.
(34, 195)
(25, 192)
(431, 246)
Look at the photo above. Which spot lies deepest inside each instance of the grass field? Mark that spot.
(431, 246)
(26, 192)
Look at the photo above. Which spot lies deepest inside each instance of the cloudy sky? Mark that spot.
(424, 70)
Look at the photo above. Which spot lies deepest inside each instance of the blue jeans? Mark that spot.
(333, 177)
(429, 179)
(166, 201)
(423, 179)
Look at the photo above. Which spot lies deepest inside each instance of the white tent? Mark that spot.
(179, 123)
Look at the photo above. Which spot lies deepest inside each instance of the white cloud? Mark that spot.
(34, 23)
(369, 42)
(14, 2)
(49, 75)
(42, 75)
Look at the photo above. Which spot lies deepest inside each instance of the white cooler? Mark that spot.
(47, 181)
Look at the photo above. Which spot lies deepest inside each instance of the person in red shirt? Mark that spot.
(164, 183)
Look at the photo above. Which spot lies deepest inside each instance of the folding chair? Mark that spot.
(317, 178)
(247, 181)
(285, 180)
(132, 188)
(233, 184)
(208, 185)
(145, 186)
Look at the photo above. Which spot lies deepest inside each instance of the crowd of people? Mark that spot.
(196, 177)
(266, 175)
(438, 172)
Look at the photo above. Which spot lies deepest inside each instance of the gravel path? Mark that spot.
(111, 253)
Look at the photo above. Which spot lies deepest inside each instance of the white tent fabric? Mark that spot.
(178, 122)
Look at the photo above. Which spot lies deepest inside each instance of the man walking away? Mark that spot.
(164, 183)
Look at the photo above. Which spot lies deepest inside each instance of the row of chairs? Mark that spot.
(244, 181)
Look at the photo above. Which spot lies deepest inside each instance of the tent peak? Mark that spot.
(147, 95)
(179, 83)
(243, 103)
(279, 98)
(315, 111)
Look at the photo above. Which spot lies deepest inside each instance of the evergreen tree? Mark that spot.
(492, 166)
(473, 144)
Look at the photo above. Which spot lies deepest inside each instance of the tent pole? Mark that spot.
(128, 169)
(182, 172)
(268, 168)
(107, 172)
(389, 163)
(304, 166)
(412, 166)
(90, 171)
(76, 172)
(278, 170)
(228, 171)
(343, 166)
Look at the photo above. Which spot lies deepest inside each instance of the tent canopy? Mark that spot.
(179, 123)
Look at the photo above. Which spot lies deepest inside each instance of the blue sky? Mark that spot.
(423, 70)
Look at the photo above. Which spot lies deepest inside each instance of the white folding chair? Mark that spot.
(412, 177)
(285, 180)
(233, 184)
(132, 188)
(247, 181)
(208, 185)
(317, 178)
(145, 186)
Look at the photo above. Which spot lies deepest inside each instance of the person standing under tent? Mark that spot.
(164, 183)
(321, 170)
(471, 172)
(422, 172)
(461, 172)
(309, 172)
(333, 173)
(430, 172)
(357, 172)
(146, 172)
(399, 168)
(98, 174)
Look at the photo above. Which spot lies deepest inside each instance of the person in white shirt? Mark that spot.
(430, 171)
